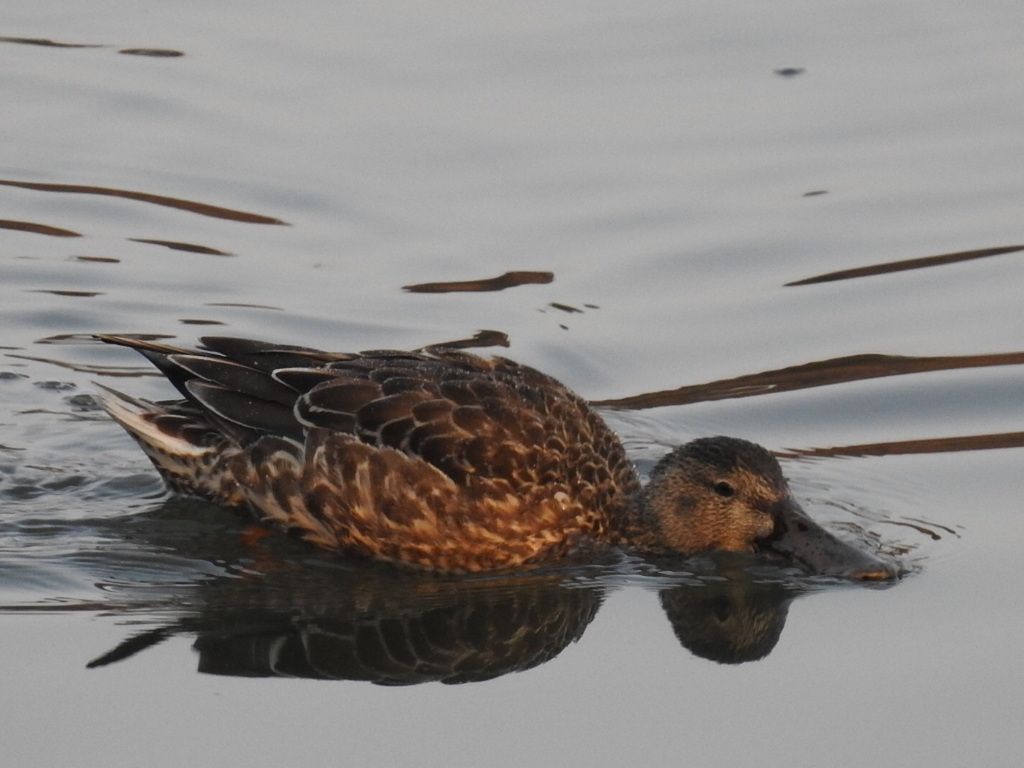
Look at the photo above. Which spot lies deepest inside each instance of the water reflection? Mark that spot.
(730, 621)
(819, 373)
(480, 339)
(175, 245)
(276, 615)
(47, 43)
(160, 53)
(193, 206)
(70, 293)
(36, 228)
(926, 445)
(386, 627)
(900, 266)
(499, 283)
(96, 259)
(391, 628)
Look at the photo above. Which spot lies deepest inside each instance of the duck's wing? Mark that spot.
(457, 412)
(461, 413)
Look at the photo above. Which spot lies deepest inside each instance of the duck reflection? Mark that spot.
(399, 631)
(363, 623)
(331, 620)
(449, 635)
(730, 621)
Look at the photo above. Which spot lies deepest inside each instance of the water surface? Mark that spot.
(797, 224)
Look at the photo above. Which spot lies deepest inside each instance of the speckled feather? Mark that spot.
(436, 458)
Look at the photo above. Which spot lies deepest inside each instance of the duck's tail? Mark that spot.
(191, 455)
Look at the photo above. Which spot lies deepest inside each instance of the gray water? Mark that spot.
(684, 172)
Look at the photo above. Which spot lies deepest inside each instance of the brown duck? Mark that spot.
(450, 462)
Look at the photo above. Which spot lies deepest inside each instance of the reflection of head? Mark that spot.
(729, 622)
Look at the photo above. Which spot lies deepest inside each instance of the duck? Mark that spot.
(444, 461)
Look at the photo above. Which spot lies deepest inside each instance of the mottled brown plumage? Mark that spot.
(437, 458)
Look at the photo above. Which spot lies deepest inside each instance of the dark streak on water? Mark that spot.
(500, 283)
(567, 308)
(39, 229)
(47, 43)
(203, 209)
(820, 373)
(186, 247)
(906, 447)
(242, 305)
(66, 292)
(159, 53)
(483, 338)
(901, 266)
(97, 259)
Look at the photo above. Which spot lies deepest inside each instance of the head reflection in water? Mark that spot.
(730, 621)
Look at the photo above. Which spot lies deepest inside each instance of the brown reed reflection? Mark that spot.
(500, 283)
(66, 292)
(174, 245)
(160, 53)
(483, 338)
(567, 308)
(101, 370)
(820, 373)
(243, 305)
(96, 259)
(905, 447)
(47, 43)
(164, 53)
(39, 229)
(90, 339)
(192, 206)
(900, 266)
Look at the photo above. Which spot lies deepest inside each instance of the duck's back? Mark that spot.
(434, 458)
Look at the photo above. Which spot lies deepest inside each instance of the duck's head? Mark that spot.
(721, 493)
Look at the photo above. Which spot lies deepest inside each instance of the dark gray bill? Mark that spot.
(798, 538)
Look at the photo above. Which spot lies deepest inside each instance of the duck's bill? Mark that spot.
(797, 538)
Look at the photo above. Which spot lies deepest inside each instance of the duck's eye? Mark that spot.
(724, 489)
